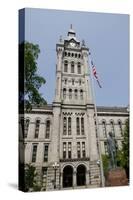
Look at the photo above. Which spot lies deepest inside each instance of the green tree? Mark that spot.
(30, 81)
(123, 154)
(105, 160)
(30, 178)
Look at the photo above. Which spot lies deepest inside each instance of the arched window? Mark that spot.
(65, 53)
(79, 68)
(120, 126)
(70, 93)
(72, 67)
(76, 93)
(81, 94)
(104, 128)
(79, 81)
(65, 66)
(47, 129)
(69, 126)
(68, 53)
(37, 125)
(112, 127)
(64, 93)
(72, 54)
(82, 126)
(78, 126)
(79, 55)
(75, 55)
(26, 127)
(64, 126)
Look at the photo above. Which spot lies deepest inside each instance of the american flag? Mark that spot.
(95, 74)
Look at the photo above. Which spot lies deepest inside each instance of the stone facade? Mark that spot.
(61, 139)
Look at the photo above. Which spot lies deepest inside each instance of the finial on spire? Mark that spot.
(71, 26)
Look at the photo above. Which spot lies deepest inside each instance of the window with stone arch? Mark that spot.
(82, 126)
(65, 66)
(104, 128)
(64, 126)
(76, 93)
(81, 94)
(37, 126)
(70, 93)
(120, 126)
(72, 67)
(79, 68)
(78, 125)
(69, 125)
(64, 93)
(47, 134)
(112, 127)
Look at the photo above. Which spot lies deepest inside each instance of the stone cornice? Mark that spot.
(75, 159)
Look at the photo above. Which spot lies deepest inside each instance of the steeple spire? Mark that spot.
(71, 32)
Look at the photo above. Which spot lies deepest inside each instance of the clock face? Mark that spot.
(72, 44)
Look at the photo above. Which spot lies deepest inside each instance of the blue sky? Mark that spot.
(107, 36)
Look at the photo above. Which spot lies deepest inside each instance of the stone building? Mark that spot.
(61, 139)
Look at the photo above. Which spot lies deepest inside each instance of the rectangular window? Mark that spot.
(79, 68)
(22, 126)
(69, 149)
(83, 150)
(72, 67)
(26, 127)
(112, 128)
(105, 147)
(82, 126)
(34, 152)
(47, 129)
(45, 152)
(64, 150)
(64, 126)
(78, 126)
(37, 128)
(69, 126)
(78, 150)
(44, 171)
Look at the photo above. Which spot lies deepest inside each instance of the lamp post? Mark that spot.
(55, 166)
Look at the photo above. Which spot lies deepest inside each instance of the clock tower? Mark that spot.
(74, 142)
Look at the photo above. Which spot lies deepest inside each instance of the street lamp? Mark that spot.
(55, 166)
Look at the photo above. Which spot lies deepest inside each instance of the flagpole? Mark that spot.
(97, 126)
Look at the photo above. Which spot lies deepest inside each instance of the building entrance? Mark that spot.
(81, 175)
(67, 176)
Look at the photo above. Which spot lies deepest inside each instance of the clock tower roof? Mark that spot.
(71, 34)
